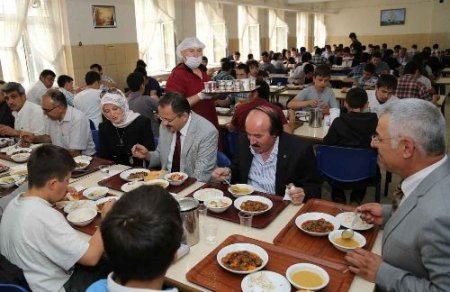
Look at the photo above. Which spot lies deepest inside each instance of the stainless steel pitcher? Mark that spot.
(316, 117)
(189, 215)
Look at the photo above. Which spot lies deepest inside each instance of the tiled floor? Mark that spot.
(370, 195)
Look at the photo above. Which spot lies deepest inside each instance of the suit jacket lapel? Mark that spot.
(282, 163)
(190, 135)
(410, 203)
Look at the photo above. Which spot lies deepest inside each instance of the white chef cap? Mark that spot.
(188, 43)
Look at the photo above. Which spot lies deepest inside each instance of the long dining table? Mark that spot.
(176, 275)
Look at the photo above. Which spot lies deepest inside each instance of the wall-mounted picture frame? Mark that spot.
(104, 16)
(392, 16)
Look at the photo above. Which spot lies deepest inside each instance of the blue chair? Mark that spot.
(231, 137)
(91, 125)
(96, 141)
(222, 160)
(349, 167)
(12, 288)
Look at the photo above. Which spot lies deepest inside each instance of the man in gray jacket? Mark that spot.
(187, 141)
(410, 139)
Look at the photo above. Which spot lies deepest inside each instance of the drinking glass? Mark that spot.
(104, 169)
(211, 232)
(245, 219)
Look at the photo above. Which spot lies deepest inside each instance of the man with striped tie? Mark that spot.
(273, 161)
(410, 139)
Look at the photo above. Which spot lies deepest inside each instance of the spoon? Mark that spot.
(349, 233)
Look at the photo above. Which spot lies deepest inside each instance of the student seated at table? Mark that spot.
(352, 129)
(409, 87)
(368, 80)
(381, 67)
(383, 93)
(38, 239)
(123, 129)
(320, 95)
(303, 77)
(142, 234)
(257, 97)
(272, 161)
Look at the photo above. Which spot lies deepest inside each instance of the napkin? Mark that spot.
(286, 194)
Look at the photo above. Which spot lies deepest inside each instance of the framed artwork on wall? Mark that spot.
(392, 16)
(104, 16)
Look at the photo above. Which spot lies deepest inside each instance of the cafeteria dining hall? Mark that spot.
(224, 145)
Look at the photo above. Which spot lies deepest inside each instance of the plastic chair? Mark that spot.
(349, 166)
(222, 160)
(232, 143)
(92, 125)
(96, 139)
(12, 288)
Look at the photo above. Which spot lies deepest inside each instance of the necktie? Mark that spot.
(398, 196)
(176, 154)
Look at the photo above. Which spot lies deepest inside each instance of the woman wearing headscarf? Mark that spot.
(123, 129)
(188, 78)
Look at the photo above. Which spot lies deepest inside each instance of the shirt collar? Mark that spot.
(68, 115)
(113, 286)
(185, 128)
(410, 183)
(274, 152)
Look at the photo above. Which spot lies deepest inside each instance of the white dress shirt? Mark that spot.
(30, 118)
(36, 92)
(88, 101)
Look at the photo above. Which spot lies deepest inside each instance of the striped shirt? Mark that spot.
(262, 173)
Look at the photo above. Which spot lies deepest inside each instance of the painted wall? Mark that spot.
(427, 22)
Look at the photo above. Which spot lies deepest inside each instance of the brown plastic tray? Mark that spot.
(209, 274)
(92, 167)
(318, 246)
(259, 221)
(115, 182)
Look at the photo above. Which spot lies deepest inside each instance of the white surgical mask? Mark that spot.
(193, 62)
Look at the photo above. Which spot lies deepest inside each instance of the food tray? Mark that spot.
(209, 274)
(258, 221)
(115, 182)
(92, 167)
(318, 246)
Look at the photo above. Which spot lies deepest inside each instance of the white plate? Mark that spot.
(74, 205)
(124, 174)
(261, 252)
(20, 170)
(308, 267)
(95, 193)
(265, 281)
(9, 181)
(239, 201)
(6, 149)
(315, 216)
(207, 194)
(14, 150)
(249, 187)
(104, 200)
(80, 159)
(346, 220)
(129, 186)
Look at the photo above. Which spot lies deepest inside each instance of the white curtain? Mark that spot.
(44, 32)
(211, 29)
(248, 15)
(302, 29)
(276, 20)
(150, 15)
(320, 31)
(12, 22)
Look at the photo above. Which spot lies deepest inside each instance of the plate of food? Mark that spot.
(207, 194)
(242, 258)
(19, 150)
(134, 174)
(95, 193)
(265, 281)
(176, 178)
(346, 220)
(101, 202)
(74, 205)
(316, 223)
(20, 170)
(157, 182)
(81, 163)
(239, 190)
(20, 157)
(255, 205)
(4, 168)
(9, 181)
(154, 174)
(132, 185)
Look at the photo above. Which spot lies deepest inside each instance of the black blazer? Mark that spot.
(296, 163)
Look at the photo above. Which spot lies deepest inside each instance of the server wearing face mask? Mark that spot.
(188, 78)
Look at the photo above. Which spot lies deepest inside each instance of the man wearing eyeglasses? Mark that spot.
(415, 256)
(65, 126)
(187, 141)
(28, 115)
(383, 93)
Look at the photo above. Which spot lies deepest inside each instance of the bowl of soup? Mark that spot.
(239, 190)
(346, 244)
(307, 276)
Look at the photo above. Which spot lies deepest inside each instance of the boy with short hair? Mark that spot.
(38, 239)
(352, 129)
(383, 93)
(319, 95)
(142, 234)
(368, 80)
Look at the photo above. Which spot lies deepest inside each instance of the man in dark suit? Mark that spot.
(410, 139)
(271, 160)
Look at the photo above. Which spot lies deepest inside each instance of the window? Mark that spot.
(253, 40)
(278, 30)
(281, 33)
(168, 34)
(211, 29)
(302, 30)
(249, 29)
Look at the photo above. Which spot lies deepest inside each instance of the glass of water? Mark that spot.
(104, 169)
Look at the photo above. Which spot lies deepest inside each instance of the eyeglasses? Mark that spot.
(111, 90)
(376, 138)
(46, 110)
(166, 119)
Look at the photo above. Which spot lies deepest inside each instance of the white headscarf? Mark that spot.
(118, 99)
(188, 43)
